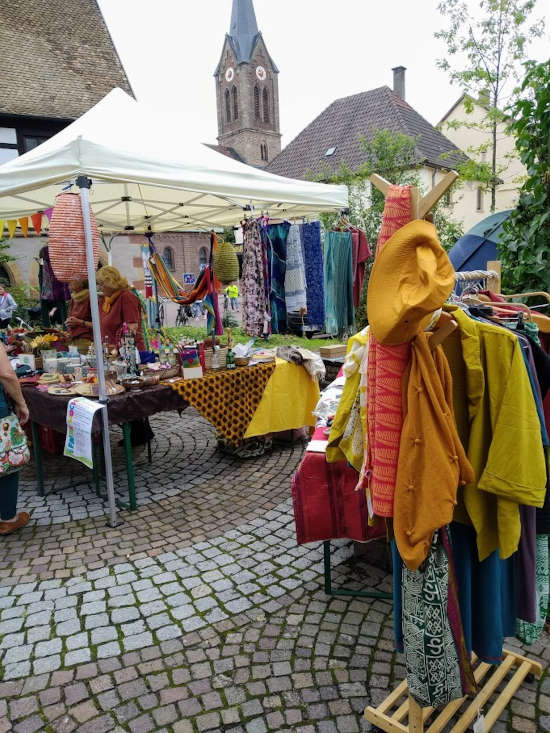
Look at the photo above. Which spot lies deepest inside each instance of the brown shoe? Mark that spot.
(9, 527)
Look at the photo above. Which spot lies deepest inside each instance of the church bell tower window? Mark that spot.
(266, 105)
(235, 103)
(257, 102)
(227, 106)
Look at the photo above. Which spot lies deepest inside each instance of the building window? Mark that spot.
(168, 257)
(479, 199)
(235, 103)
(263, 152)
(33, 141)
(266, 105)
(227, 106)
(203, 257)
(257, 103)
(8, 144)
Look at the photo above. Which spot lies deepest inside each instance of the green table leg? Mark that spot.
(37, 450)
(129, 466)
(96, 468)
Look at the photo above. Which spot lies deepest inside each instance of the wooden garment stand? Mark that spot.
(399, 706)
(505, 680)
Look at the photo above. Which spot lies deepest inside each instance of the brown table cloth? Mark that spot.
(51, 410)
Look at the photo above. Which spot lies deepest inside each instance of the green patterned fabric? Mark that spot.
(433, 669)
(526, 632)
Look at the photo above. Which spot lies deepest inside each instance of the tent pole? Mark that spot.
(84, 184)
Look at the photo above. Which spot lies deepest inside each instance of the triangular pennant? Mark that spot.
(37, 222)
(12, 226)
(49, 213)
(2, 223)
(24, 224)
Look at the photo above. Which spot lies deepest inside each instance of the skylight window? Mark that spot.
(330, 152)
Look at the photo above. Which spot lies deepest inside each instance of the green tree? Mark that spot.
(394, 156)
(486, 47)
(525, 247)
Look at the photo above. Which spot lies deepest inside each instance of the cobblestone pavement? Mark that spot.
(199, 613)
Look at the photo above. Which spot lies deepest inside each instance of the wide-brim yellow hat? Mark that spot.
(411, 278)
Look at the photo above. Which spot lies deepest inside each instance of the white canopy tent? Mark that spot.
(146, 173)
(129, 163)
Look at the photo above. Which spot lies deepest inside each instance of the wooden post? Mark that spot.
(416, 720)
(494, 285)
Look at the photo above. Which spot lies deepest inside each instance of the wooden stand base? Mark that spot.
(392, 713)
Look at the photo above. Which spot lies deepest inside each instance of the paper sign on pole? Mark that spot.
(80, 417)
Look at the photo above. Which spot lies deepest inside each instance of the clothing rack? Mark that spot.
(492, 275)
(399, 706)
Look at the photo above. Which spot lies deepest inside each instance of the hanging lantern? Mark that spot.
(226, 263)
(67, 242)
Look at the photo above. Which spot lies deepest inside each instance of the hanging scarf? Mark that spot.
(81, 295)
(387, 365)
(108, 300)
(143, 316)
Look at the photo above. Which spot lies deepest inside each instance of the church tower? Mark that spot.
(247, 91)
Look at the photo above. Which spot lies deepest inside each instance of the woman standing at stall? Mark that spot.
(79, 321)
(7, 307)
(10, 519)
(118, 306)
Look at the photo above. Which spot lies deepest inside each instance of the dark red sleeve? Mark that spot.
(131, 308)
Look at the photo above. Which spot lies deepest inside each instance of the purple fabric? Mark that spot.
(51, 289)
(467, 679)
(525, 559)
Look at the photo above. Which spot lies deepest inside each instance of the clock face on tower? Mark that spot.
(261, 73)
(229, 74)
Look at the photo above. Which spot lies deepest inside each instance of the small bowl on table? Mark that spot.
(242, 361)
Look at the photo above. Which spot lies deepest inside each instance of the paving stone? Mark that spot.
(29, 725)
(108, 650)
(103, 634)
(47, 664)
(210, 721)
(84, 711)
(78, 656)
(23, 707)
(121, 615)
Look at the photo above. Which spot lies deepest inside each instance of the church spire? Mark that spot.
(243, 29)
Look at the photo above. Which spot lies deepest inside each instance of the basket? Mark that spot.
(67, 242)
(241, 361)
(221, 354)
(226, 263)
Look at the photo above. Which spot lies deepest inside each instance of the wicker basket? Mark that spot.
(221, 353)
(226, 263)
(66, 242)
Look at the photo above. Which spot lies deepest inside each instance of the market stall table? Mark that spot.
(51, 412)
(286, 400)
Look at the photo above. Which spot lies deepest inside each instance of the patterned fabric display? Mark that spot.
(295, 278)
(276, 241)
(526, 632)
(313, 260)
(431, 657)
(14, 450)
(227, 399)
(255, 307)
(387, 365)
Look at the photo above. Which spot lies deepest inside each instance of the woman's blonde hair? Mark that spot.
(111, 277)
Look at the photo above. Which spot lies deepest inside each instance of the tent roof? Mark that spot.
(145, 173)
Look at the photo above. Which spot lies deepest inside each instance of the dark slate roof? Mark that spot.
(342, 125)
(57, 59)
(243, 29)
(225, 150)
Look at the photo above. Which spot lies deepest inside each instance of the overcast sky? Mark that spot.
(324, 49)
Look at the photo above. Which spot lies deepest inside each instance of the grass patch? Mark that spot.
(240, 337)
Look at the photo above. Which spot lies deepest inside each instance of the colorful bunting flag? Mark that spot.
(24, 224)
(37, 222)
(12, 226)
(2, 223)
(49, 213)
